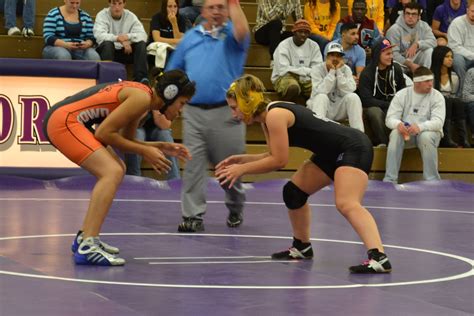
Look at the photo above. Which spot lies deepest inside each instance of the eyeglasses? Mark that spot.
(411, 13)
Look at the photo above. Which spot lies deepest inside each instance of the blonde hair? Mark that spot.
(248, 92)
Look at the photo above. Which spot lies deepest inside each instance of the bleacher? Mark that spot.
(455, 163)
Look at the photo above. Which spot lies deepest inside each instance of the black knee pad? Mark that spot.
(293, 196)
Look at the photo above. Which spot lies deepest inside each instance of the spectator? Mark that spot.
(191, 9)
(461, 41)
(447, 82)
(415, 116)
(468, 97)
(122, 38)
(10, 9)
(333, 94)
(323, 16)
(213, 54)
(167, 27)
(414, 39)
(354, 55)
(294, 58)
(395, 9)
(67, 32)
(375, 11)
(155, 129)
(367, 28)
(445, 14)
(379, 82)
(269, 29)
(442, 41)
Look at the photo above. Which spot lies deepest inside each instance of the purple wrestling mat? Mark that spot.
(427, 229)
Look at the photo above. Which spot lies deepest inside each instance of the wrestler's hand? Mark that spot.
(176, 150)
(156, 159)
(229, 174)
(234, 159)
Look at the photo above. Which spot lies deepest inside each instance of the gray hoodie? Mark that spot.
(404, 36)
(107, 28)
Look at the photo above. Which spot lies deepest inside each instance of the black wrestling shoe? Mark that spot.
(298, 251)
(294, 254)
(191, 225)
(377, 263)
(234, 219)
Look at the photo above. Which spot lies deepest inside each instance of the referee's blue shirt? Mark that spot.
(213, 62)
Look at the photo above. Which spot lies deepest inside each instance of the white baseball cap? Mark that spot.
(335, 48)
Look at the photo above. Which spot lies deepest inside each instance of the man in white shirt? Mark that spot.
(122, 38)
(333, 94)
(416, 117)
(293, 60)
(461, 41)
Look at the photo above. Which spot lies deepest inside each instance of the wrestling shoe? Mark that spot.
(234, 219)
(191, 225)
(298, 251)
(105, 246)
(377, 263)
(91, 253)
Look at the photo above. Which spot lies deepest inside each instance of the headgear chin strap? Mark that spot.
(247, 104)
(169, 88)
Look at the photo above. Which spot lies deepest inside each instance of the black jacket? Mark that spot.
(372, 95)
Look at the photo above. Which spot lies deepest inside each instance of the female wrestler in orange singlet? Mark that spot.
(118, 108)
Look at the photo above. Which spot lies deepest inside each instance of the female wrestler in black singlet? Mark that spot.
(341, 155)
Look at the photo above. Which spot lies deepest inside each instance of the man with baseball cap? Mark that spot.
(416, 117)
(379, 82)
(293, 60)
(333, 94)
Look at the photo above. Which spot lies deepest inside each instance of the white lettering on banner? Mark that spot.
(91, 114)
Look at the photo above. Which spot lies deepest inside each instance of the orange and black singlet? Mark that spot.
(69, 123)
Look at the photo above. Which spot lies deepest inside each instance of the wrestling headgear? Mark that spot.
(172, 84)
(248, 104)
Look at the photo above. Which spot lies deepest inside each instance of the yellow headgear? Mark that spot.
(248, 105)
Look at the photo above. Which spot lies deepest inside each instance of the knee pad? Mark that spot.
(293, 196)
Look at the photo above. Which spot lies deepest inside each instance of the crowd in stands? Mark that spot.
(358, 67)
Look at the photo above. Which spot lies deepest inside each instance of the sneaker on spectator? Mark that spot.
(106, 247)
(14, 31)
(27, 32)
(234, 219)
(90, 253)
(377, 263)
(293, 253)
(191, 225)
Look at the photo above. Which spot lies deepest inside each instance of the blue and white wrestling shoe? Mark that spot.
(90, 252)
(106, 247)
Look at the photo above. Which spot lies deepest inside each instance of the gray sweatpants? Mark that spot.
(427, 142)
(211, 136)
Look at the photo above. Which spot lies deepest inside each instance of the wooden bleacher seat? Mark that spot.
(453, 163)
